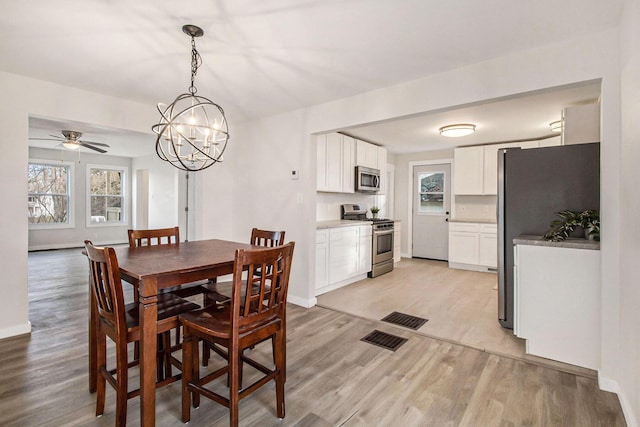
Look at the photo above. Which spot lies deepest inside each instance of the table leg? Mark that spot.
(148, 350)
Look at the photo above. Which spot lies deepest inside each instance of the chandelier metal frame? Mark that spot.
(193, 131)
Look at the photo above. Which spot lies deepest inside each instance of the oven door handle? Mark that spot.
(381, 232)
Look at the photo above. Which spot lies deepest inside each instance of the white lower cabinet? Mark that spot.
(322, 258)
(557, 303)
(397, 242)
(343, 256)
(364, 249)
(473, 246)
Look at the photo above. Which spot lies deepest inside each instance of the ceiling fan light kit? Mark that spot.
(455, 131)
(193, 132)
(556, 126)
(72, 141)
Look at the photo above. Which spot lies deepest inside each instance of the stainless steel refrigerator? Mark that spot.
(533, 185)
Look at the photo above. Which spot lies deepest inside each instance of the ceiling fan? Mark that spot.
(72, 141)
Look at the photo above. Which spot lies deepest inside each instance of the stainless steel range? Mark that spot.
(382, 242)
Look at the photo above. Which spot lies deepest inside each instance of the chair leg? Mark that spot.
(166, 344)
(187, 374)
(280, 377)
(122, 382)
(234, 386)
(101, 357)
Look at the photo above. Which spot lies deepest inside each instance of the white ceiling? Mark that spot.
(265, 57)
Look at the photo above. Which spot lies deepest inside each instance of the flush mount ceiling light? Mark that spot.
(192, 133)
(455, 131)
(556, 126)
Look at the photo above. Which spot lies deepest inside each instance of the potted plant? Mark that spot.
(588, 219)
(374, 211)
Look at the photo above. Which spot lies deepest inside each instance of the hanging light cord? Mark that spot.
(196, 61)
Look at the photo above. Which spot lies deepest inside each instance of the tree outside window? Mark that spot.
(49, 193)
(106, 195)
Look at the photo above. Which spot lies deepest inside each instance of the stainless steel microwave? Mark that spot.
(367, 180)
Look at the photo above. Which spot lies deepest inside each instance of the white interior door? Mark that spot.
(431, 207)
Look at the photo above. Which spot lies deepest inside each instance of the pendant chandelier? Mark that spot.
(192, 133)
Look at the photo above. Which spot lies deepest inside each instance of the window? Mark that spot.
(106, 195)
(49, 199)
(431, 187)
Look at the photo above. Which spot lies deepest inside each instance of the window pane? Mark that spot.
(431, 203)
(431, 182)
(47, 179)
(114, 182)
(48, 198)
(431, 192)
(48, 209)
(98, 181)
(107, 202)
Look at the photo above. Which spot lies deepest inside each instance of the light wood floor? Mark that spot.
(461, 306)
(333, 378)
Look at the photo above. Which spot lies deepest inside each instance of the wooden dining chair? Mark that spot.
(120, 322)
(256, 312)
(259, 237)
(165, 236)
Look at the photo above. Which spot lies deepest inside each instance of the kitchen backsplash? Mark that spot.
(470, 208)
(328, 204)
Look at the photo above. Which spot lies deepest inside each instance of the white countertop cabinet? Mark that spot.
(557, 303)
(343, 256)
(473, 246)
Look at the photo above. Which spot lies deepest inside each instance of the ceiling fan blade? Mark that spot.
(45, 139)
(57, 137)
(95, 143)
(99, 150)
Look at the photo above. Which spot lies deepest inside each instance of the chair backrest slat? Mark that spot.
(106, 284)
(158, 236)
(265, 286)
(267, 238)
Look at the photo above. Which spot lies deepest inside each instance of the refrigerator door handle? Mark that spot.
(501, 237)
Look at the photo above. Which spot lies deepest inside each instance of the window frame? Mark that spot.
(70, 195)
(123, 185)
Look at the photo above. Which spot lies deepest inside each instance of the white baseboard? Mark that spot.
(610, 385)
(15, 330)
(472, 267)
(73, 245)
(302, 302)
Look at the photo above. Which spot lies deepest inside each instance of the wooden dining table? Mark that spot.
(150, 269)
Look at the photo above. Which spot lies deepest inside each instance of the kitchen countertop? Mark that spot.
(339, 223)
(571, 242)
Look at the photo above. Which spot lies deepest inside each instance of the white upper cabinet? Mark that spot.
(468, 169)
(490, 174)
(367, 154)
(382, 166)
(476, 168)
(335, 167)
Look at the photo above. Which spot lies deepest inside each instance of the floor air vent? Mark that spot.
(384, 340)
(405, 320)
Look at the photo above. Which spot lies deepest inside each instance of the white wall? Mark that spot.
(23, 97)
(40, 238)
(162, 192)
(628, 373)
